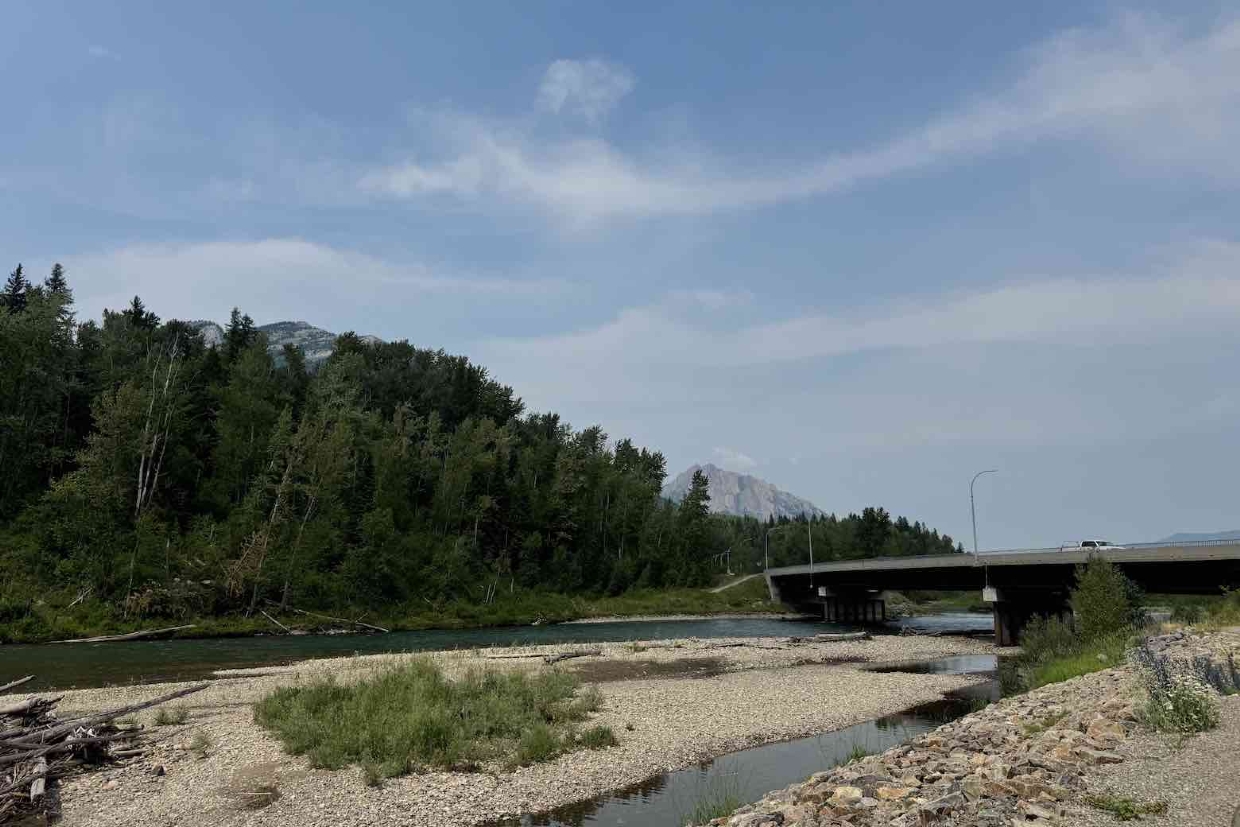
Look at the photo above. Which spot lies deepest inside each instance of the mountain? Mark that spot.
(315, 342)
(741, 494)
(1188, 536)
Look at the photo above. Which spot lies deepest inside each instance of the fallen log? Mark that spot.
(549, 659)
(286, 629)
(62, 746)
(37, 750)
(145, 633)
(831, 637)
(104, 717)
(39, 786)
(16, 683)
(27, 706)
(337, 619)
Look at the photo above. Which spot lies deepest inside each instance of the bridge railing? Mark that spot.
(1116, 548)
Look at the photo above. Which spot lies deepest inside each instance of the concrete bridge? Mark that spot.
(1018, 584)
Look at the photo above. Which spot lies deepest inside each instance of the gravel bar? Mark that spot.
(758, 690)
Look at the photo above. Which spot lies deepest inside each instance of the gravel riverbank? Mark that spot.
(671, 704)
(1058, 755)
(715, 616)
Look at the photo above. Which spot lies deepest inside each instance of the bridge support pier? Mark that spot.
(853, 608)
(1014, 610)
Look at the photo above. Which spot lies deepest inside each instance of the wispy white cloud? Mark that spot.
(102, 52)
(657, 345)
(276, 278)
(733, 460)
(589, 88)
(1150, 91)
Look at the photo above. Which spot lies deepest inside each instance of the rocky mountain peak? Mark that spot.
(741, 495)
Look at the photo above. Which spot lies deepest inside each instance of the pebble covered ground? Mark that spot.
(1041, 758)
(758, 690)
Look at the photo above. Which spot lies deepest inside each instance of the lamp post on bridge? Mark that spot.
(973, 508)
(766, 546)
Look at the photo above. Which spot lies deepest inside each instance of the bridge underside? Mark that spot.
(1020, 585)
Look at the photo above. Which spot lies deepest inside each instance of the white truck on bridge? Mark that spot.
(1090, 545)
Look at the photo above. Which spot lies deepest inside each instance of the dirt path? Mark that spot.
(736, 582)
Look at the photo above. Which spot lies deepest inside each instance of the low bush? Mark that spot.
(1185, 706)
(412, 717)
(598, 737)
(1046, 638)
(1125, 809)
(1107, 614)
(171, 715)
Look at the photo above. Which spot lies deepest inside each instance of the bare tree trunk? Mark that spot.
(288, 576)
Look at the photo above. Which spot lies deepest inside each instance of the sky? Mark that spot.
(860, 250)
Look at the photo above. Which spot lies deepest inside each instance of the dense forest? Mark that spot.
(142, 469)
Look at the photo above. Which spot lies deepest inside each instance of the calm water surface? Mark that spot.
(81, 665)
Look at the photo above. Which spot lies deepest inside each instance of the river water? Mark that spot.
(82, 665)
(670, 800)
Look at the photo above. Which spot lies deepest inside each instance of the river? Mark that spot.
(84, 665)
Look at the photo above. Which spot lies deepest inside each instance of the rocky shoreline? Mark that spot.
(1031, 759)
(671, 704)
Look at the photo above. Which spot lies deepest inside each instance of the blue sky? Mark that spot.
(861, 250)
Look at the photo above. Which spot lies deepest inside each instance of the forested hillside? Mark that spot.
(144, 471)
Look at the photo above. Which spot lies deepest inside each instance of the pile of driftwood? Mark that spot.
(36, 747)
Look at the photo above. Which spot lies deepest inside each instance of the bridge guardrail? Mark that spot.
(1123, 547)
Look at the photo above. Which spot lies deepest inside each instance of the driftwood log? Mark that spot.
(286, 629)
(37, 748)
(336, 619)
(16, 683)
(145, 633)
(556, 658)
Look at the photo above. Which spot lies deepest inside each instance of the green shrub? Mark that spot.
(1105, 601)
(1187, 705)
(1047, 638)
(598, 737)
(1126, 809)
(413, 716)
(538, 743)
(1189, 613)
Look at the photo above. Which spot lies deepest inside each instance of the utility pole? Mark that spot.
(973, 509)
(809, 529)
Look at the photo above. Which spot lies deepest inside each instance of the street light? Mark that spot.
(973, 508)
(766, 546)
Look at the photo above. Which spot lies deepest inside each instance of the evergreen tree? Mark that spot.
(16, 288)
(56, 282)
(238, 335)
(139, 316)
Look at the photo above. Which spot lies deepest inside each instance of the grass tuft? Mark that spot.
(858, 752)
(1126, 809)
(1043, 725)
(598, 737)
(200, 744)
(411, 717)
(721, 797)
(171, 716)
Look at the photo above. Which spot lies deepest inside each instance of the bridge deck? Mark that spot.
(1209, 550)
